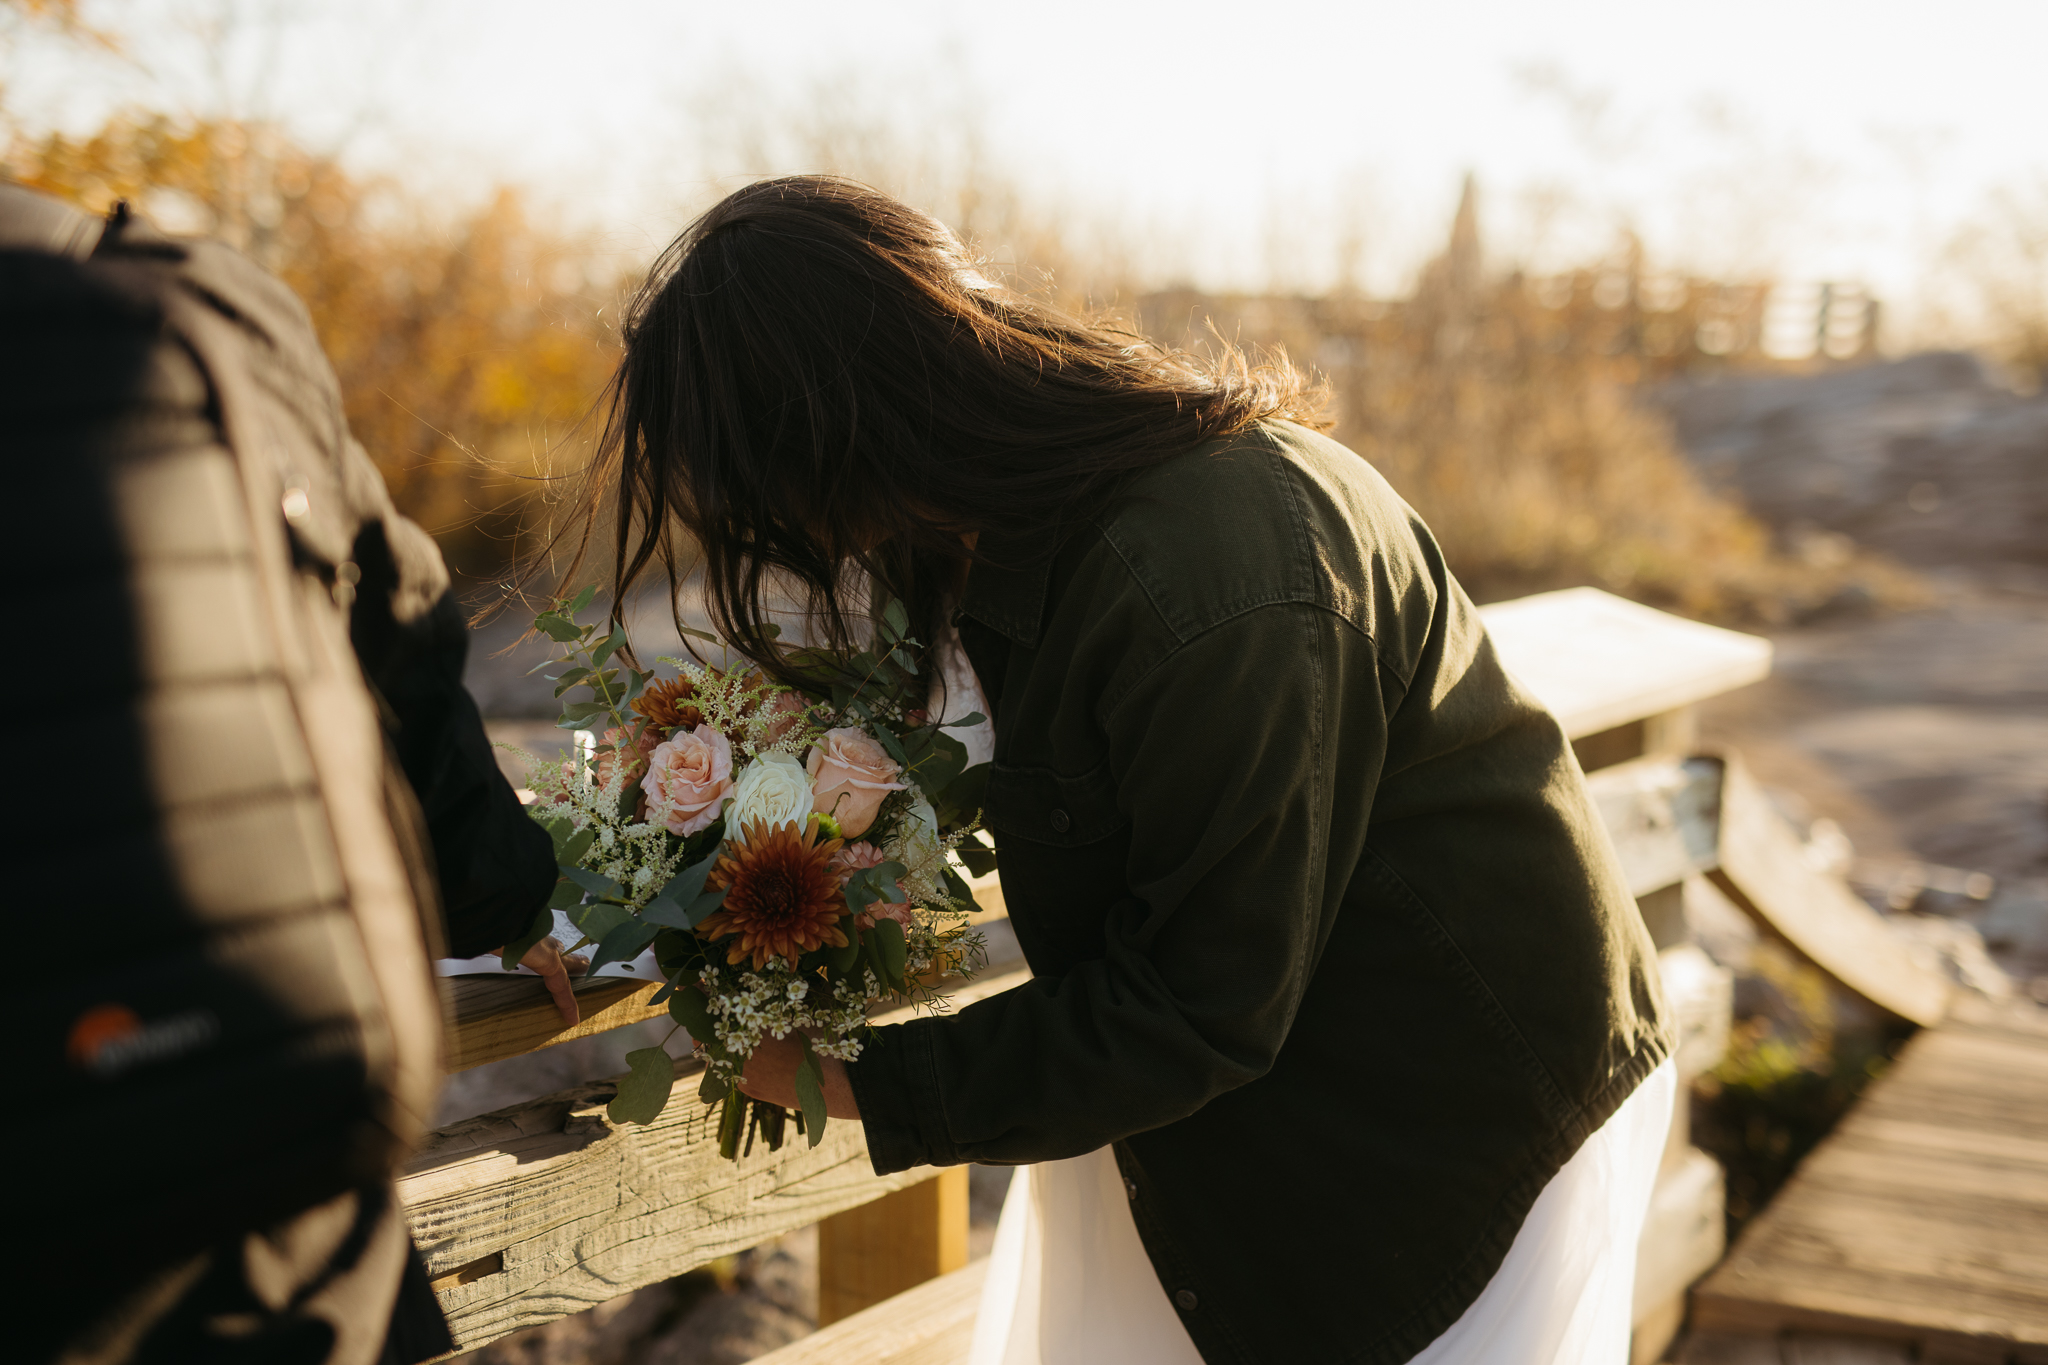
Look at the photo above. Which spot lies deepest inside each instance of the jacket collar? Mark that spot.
(1006, 590)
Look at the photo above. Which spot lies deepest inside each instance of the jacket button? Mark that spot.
(1130, 1187)
(1060, 821)
(1185, 1299)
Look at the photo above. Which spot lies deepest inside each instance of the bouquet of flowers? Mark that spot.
(791, 854)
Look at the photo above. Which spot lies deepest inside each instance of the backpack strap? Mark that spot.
(33, 221)
(338, 719)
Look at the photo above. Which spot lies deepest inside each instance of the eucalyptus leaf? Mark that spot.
(943, 767)
(535, 932)
(688, 884)
(560, 829)
(978, 857)
(612, 644)
(623, 943)
(598, 919)
(688, 1008)
(596, 883)
(810, 1092)
(643, 1091)
(842, 960)
(888, 938)
(567, 895)
(897, 617)
(697, 634)
(556, 628)
(578, 844)
(701, 908)
(891, 743)
(711, 1089)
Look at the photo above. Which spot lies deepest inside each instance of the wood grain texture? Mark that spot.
(932, 1324)
(895, 1243)
(581, 1210)
(495, 1017)
(1761, 865)
(1924, 1217)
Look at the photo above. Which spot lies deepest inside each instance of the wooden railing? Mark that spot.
(545, 1208)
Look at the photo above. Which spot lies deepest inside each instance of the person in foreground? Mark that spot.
(1345, 1040)
(292, 803)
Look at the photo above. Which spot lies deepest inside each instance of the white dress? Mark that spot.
(1069, 1282)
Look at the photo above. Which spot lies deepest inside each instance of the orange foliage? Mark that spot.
(468, 345)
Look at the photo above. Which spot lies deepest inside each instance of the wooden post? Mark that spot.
(897, 1242)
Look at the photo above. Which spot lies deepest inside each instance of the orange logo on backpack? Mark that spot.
(98, 1026)
(112, 1038)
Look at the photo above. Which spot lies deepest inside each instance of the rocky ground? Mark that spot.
(1918, 738)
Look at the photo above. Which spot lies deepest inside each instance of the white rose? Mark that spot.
(774, 790)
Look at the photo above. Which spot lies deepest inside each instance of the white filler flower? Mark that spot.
(774, 790)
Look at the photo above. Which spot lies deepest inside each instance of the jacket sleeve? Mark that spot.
(495, 866)
(1227, 759)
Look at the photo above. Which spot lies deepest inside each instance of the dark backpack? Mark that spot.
(219, 876)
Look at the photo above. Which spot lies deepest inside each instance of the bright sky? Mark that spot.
(1233, 141)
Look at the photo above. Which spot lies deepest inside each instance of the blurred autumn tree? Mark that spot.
(468, 344)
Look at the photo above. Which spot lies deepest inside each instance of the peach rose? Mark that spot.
(621, 742)
(688, 779)
(788, 709)
(852, 774)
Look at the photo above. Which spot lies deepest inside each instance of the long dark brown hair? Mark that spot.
(823, 393)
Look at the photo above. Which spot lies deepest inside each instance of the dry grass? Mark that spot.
(468, 344)
(1503, 410)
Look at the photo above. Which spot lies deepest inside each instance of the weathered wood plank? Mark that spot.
(881, 1249)
(1663, 817)
(1598, 661)
(1762, 867)
(1922, 1218)
(932, 1324)
(495, 1017)
(580, 1210)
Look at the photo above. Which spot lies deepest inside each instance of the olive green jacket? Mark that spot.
(1327, 937)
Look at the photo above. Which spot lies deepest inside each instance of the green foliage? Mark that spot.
(1771, 1101)
(887, 953)
(644, 1091)
(810, 1091)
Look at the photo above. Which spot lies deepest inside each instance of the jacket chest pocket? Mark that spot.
(1042, 806)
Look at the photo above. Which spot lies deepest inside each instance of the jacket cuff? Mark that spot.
(896, 1085)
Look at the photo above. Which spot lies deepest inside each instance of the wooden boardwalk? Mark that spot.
(1921, 1221)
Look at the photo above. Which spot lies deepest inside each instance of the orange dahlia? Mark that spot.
(667, 704)
(782, 896)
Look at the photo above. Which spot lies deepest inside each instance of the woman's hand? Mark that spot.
(771, 1077)
(546, 958)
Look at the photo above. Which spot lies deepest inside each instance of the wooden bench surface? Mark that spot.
(1924, 1217)
(1598, 661)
